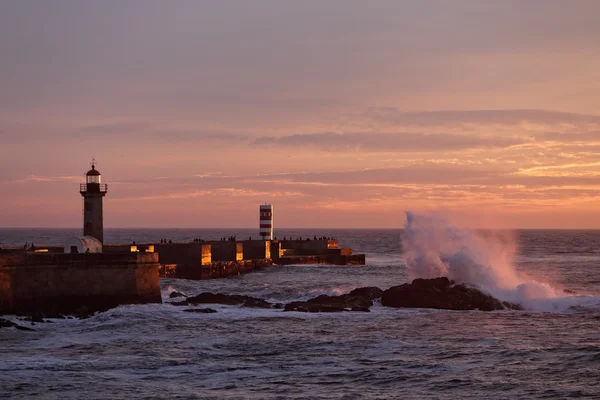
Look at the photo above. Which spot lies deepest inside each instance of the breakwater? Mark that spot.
(49, 281)
(58, 283)
(221, 269)
(221, 258)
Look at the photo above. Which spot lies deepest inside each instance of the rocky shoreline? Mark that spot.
(4, 323)
(437, 293)
(442, 293)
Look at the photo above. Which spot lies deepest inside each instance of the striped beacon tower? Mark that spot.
(266, 222)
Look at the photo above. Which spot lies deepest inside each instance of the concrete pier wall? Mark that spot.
(346, 251)
(332, 259)
(64, 283)
(276, 250)
(116, 248)
(38, 249)
(256, 249)
(227, 250)
(308, 247)
(213, 271)
(194, 254)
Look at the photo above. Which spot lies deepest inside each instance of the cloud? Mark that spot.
(384, 130)
(592, 136)
(387, 142)
(441, 175)
(590, 169)
(41, 179)
(380, 130)
(438, 174)
(146, 130)
(479, 117)
(218, 192)
(116, 127)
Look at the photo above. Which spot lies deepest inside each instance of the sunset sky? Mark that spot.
(340, 113)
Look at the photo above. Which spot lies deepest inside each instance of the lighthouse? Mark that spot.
(266, 222)
(93, 190)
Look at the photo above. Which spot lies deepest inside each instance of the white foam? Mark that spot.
(433, 247)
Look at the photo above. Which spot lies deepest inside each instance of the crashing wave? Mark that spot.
(433, 247)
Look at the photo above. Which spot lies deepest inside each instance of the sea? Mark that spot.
(551, 350)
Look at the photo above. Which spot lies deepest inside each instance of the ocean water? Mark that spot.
(551, 350)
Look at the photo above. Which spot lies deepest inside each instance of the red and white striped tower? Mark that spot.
(266, 222)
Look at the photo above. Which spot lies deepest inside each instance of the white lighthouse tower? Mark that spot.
(266, 222)
(93, 190)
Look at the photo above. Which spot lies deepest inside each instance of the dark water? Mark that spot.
(159, 351)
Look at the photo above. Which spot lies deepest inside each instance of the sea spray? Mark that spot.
(433, 247)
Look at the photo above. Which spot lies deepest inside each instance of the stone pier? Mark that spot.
(325, 251)
(54, 283)
(219, 259)
(227, 250)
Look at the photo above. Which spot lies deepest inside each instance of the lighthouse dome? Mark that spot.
(93, 171)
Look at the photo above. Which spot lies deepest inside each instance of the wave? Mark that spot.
(433, 247)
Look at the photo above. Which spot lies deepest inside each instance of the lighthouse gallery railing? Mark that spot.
(93, 187)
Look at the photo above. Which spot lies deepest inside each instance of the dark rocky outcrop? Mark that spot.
(4, 323)
(35, 318)
(360, 299)
(201, 310)
(227, 299)
(307, 306)
(370, 292)
(441, 293)
(176, 294)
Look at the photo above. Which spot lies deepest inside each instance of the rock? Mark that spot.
(176, 294)
(23, 328)
(370, 292)
(228, 299)
(357, 300)
(200, 310)
(38, 317)
(440, 293)
(314, 307)
(4, 323)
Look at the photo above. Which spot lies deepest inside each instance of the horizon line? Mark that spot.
(296, 228)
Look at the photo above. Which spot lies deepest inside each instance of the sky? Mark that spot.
(340, 113)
